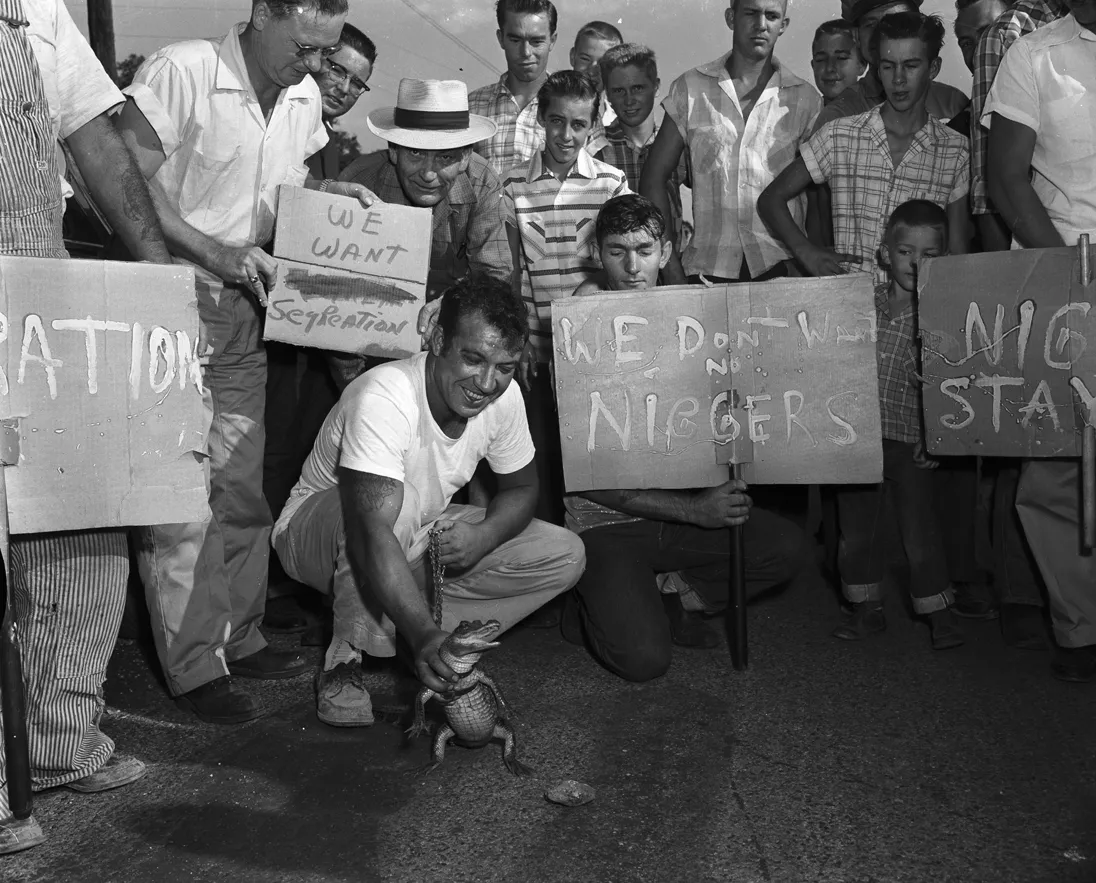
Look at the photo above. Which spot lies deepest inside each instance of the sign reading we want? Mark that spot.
(1008, 353)
(663, 388)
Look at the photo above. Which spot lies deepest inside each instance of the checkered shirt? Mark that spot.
(1026, 16)
(469, 232)
(852, 156)
(556, 219)
(896, 360)
(519, 134)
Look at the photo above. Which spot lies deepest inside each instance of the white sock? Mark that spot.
(340, 651)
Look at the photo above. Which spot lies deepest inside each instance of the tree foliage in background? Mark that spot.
(349, 148)
(127, 67)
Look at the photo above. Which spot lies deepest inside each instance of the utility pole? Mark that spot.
(101, 34)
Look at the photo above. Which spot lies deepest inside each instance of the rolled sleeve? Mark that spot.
(319, 137)
(676, 105)
(962, 180)
(817, 154)
(163, 93)
(1014, 94)
(84, 89)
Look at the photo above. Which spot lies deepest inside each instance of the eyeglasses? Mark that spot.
(340, 73)
(305, 51)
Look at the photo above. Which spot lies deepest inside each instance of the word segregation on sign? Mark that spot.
(662, 388)
(350, 279)
(1008, 353)
(99, 363)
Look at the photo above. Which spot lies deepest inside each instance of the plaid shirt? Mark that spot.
(852, 156)
(1026, 16)
(469, 223)
(556, 220)
(896, 360)
(519, 134)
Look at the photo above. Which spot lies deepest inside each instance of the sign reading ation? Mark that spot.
(1008, 353)
(350, 279)
(662, 388)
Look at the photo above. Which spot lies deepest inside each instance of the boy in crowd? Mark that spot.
(656, 558)
(592, 41)
(555, 198)
(835, 58)
(875, 161)
(630, 75)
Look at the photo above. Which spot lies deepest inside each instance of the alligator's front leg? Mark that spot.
(506, 711)
(419, 726)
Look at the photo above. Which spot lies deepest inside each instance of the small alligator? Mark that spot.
(475, 710)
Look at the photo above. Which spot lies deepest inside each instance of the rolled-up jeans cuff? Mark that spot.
(370, 642)
(859, 593)
(933, 603)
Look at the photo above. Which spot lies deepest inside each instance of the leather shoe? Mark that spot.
(269, 665)
(863, 619)
(119, 770)
(221, 702)
(1023, 626)
(1077, 665)
(342, 696)
(19, 834)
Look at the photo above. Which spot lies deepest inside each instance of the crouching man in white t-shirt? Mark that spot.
(402, 440)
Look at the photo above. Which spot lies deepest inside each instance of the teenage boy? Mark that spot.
(875, 161)
(743, 118)
(835, 58)
(654, 558)
(592, 41)
(555, 198)
(630, 75)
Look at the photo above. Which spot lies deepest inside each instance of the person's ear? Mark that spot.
(465, 159)
(667, 250)
(728, 16)
(784, 22)
(571, 55)
(884, 256)
(498, 36)
(934, 68)
(260, 16)
(393, 154)
(552, 42)
(437, 341)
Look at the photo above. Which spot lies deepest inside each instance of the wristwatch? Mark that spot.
(325, 183)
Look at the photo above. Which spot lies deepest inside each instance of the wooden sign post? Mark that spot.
(665, 388)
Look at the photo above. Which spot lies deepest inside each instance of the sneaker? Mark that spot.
(221, 701)
(342, 699)
(19, 834)
(119, 770)
(864, 619)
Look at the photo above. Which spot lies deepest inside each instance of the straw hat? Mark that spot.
(851, 10)
(430, 115)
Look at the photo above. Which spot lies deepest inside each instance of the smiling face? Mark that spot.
(341, 80)
(290, 48)
(632, 260)
(836, 64)
(757, 25)
(632, 94)
(425, 176)
(586, 54)
(906, 247)
(869, 21)
(970, 23)
(567, 123)
(906, 72)
(469, 371)
(526, 40)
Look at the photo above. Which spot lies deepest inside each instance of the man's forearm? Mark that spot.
(773, 210)
(1023, 211)
(116, 184)
(653, 187)
(380, 567)
(509, 513)
(655, 504)
(183, 239)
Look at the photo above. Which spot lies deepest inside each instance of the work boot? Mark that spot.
(973, 601)
(19, 834)
(866, 618)
(688, 629)
(119, 770)
(342, 699)
(269, 664)
(1023, 626)
(945, 631)
(284, 616)
(221, 701)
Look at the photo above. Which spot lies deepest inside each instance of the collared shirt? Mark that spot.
(943, 102)
(896, 360)
(556, 220)
(734, 160)
(519, 134)
(469, 233)
(225, 161)
(852, 156)
(1047, 82)
(324, 163)
(1026, 16)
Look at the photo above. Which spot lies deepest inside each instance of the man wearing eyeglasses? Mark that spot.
(217, 126)
(342, 80)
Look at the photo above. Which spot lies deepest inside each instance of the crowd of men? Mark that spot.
(366, 475)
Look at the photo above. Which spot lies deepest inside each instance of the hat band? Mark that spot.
(430, 119)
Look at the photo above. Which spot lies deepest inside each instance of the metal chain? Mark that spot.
(437, 571)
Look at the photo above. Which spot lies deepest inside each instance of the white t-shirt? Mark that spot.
(382, 424)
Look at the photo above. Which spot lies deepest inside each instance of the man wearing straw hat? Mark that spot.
(429, 163)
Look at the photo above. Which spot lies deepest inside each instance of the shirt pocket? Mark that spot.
(708, 147)
(210, 182)
(29, 173)
(1066, 129)
(534, 239)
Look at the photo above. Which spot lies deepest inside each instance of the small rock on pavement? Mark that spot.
(570, 793)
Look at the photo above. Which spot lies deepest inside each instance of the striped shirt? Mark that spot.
(735, 159)
(520, 134)
(852, 156)
(896, 361)
(556, 220)
(1026, 16)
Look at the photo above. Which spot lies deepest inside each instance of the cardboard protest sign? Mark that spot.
(98, 361)
(1005, 353)
(350, 279)
(655, 387)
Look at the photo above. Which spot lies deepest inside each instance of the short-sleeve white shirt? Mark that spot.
(383, 425)
(225, 162)
(1047, 82)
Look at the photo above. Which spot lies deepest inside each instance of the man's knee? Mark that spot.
(641, 664)
(563, 548)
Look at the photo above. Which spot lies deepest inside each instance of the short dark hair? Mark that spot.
(960, 5)
(835, 27)
(600, 30)
(527, 7)
(569, 84)
(627, 214)
(285, 8)
(354, 39)
(487, 297)
(918, 213)
(929, 29)
(628, 55)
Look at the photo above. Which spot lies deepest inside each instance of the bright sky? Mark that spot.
(455, 39)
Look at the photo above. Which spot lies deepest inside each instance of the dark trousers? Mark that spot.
(861, 510)
(540, 410)
(1016, 576)
(619, 599)
(963, 518)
